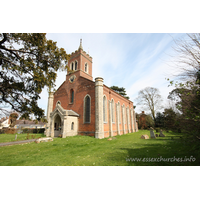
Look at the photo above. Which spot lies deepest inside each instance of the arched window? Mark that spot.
(127, 111)
(124, 113)
(86, 67)
(87, 109)
(72, 66)
(112, 111)
(119, 111)
(71, 96)
(72, 126)
(131, 116)
(76, 63)
(104, 109)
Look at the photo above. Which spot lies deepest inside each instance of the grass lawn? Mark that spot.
(11, 137)
(88, 151)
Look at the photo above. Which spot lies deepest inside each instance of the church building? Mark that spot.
(81, 106)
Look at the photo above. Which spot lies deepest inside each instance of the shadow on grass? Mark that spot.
(172, 153)
(169, 138)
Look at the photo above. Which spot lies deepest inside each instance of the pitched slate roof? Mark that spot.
(28, 122)
(72, 113)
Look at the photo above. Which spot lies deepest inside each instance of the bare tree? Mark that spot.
(188, 62)
(150, 98)
(187, 56)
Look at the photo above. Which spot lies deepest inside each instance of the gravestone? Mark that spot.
(152, 134)
(161, 133)
(15, 137)
(46, 139)
(156, 135)
(144, 137)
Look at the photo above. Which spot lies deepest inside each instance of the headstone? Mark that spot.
(152, 134)
(15, 137)
(156, 135)
(161, 133)
(109, 138)
(144, 137)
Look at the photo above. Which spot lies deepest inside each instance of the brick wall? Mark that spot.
(110, 94)
(81, 87)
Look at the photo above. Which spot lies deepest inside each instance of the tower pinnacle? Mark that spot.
(80, 47)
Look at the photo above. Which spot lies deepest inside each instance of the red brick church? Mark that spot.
(81, 106)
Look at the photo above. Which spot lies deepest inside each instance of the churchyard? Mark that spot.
(127, 150)
(18, 137)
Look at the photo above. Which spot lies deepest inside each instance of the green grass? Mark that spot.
(88, 151)
(11, 137)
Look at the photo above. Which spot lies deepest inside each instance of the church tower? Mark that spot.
(81, 106)
(81, 63)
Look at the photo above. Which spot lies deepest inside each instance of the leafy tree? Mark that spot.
(187, 91)
(28, 63)
(171, 120)
(121, 91)
(149, 121)
(151, 99)
(13, 117)
(187, 97)
(160, 120)
(187, 100)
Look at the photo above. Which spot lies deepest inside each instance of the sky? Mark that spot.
(130, 60)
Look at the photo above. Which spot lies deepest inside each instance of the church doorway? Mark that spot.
(57, 126)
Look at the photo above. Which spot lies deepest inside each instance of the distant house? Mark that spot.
(4, 122)
(142, 120)
(21, 124)
(7, 122)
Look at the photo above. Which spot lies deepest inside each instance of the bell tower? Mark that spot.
(80, 63)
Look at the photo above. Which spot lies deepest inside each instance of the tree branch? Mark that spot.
(4, 38)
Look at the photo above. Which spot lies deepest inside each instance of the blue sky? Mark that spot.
(130, 60)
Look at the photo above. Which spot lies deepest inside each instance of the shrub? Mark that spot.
(9, 130)
(27, 137)
(33, 130)
(2, 131)
(157, 130)
(25, 130)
